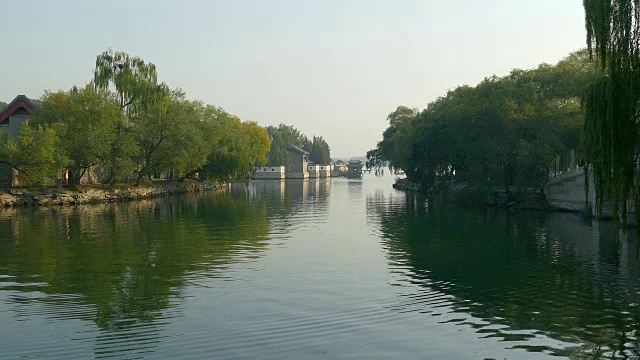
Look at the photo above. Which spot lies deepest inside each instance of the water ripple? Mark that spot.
(315, 269)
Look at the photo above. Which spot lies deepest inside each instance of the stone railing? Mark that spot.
(565, 164)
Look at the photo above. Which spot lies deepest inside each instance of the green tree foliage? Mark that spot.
(169, 138)
(503, 132)
(186, 147)
(258, 143)
(128, 124)
(3, 105)
(319, 151)
(36, 154)
(392, 149)
(121, 160)
(284, 136)
(612, 103)
(134, 80)
(136, 86)
(87, 122)
(176, 136)
(236, 146)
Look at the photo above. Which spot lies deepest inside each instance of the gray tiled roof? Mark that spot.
(33, 102)
(297, 150)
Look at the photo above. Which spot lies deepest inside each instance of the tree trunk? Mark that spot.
(189, 175)
(143, 171)
(72, 178)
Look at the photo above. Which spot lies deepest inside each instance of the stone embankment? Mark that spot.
(22, 197)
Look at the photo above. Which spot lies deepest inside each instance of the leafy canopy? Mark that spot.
(87, 122)
(35, 154)
(503, 132)
(284, 136)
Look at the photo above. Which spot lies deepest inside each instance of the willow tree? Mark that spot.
(236, 146)
(140, 96)
(612, 103)
(135, 81)
(151, 129)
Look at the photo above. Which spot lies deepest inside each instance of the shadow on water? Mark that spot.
(549, 283)
(125, 267)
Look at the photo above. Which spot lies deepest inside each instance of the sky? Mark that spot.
(334, 68)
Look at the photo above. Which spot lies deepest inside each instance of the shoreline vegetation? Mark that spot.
(496, 143)
(97, 194)
(125, 124)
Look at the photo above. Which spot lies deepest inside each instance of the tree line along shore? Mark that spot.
(504, 133)
(125, 126)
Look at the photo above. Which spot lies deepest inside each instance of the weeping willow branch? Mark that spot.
(613, 103)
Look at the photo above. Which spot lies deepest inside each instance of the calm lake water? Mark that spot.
(340, 269)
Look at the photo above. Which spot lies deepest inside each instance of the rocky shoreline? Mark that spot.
(62, 197)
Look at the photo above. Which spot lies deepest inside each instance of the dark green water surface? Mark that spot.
(340, 269)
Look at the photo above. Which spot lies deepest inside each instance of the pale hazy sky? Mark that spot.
(335, 68)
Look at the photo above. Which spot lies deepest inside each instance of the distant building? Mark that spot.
(12, 118)
(299, 163)
(326, 171)
(354, 169)
(16, 113)
(301, 168)
(339, 168)
(313, 170)
(273, 172)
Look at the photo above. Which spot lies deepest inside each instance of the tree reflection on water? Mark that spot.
(517, 275)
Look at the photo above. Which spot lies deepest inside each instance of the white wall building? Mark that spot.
(274, 172)
(314, 171)
(326, 170)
